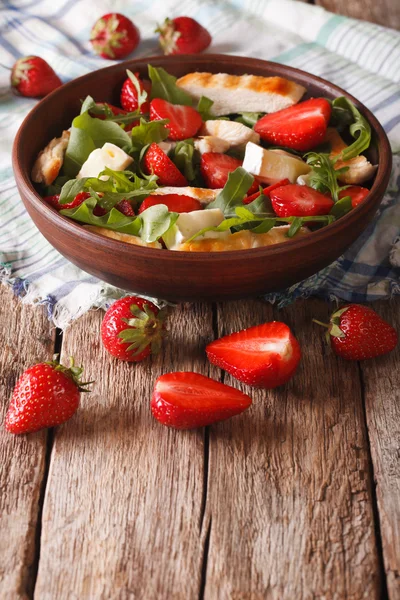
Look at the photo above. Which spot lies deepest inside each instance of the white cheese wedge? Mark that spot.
(108, 156)
(203, 195)
(236, 134)
(188, 224)
(211, 143)
(242, 93)
(271, 166)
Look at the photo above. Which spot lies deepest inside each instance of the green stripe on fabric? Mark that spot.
(293, 53)
(329, 28)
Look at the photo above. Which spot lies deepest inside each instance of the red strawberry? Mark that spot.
(301, 127)
(356, 193)
(357, 332)
(157, 162)
(46, 395)
(54, 201)
(186, 400)
(133, 328)
(184, 121)
(299, 201)
(264, 356)
(266, 191)
(33, 77)
(215, 168)
(183, 35)
(114, 36)
(125, 207)
(174, 202)
(129, 95)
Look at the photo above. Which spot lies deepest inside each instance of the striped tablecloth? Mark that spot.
(360, 57)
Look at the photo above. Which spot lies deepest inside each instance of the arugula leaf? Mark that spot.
(246, 220)
(360, 128)
(71, 188)
(87, 134)
(186, 158)
(80, 145)
(249, 118)
(164, 86)
(203, 107)
(342, 207)
(88, 104)
(114, 219)
(148, 132)
(233, 192)
(324, 176)
(156, 220)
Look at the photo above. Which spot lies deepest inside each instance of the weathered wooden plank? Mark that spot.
(289, 493)
(124, 500)
(384, 12)
(25, 339)
(381, 378)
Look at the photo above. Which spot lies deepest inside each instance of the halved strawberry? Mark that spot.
(215, 168)
(266, 191)
(301, 127)
(129, 95)
(265, 356)
(184, 121)
(186, 400)
(157, 162)
(174, 202)
(54, 201)
(356, 193)
(299, 201)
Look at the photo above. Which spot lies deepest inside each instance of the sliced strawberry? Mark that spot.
(125, 207)
(188, 400)
(263, 356)
(356, 193)
(215, 168)
(184, 121)
(301, 127)
(157, 162)
(266, 191)
(129, 95)
(174, 203)
(299, 201)
(77, 201)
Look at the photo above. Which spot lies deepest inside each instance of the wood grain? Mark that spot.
(381, 378)
(289, 493)
(124, 500)
(25, 339)
(384, 12)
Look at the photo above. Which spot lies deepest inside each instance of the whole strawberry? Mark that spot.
(33, 77)
(133, 328)
(183, 35)
(46, 395)
(114, 36)
(357, 332)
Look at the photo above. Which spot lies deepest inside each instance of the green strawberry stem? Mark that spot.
(321, 323)
(72, 372)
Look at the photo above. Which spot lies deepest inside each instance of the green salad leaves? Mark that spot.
(164, 86)
(344, 110)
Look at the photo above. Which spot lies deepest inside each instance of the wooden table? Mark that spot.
(299, 498)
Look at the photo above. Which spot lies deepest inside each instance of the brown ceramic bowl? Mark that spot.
(184, 275)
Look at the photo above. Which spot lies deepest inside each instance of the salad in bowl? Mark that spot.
(208, 162)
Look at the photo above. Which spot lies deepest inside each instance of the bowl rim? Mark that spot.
(26, 187)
